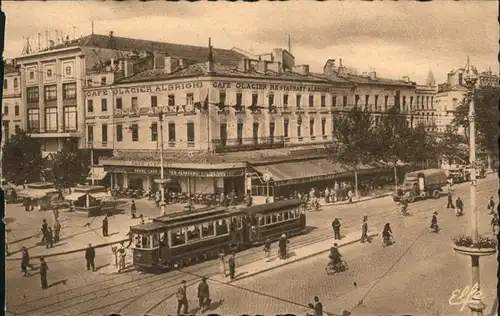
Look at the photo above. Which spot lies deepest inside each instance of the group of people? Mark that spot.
(25, 264)
(204, 300)
(51, 235)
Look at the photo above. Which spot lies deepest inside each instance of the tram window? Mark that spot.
(297, 212)
(262, 221)
(292, 214)
(156, 241)
(239, 221)
(279, 217)
(208, 229)
(221, 227)
(273, 218)
(178, 237)
(268, 220)
(163, 237)
(193, 233)
(137, 241)
(285, 215)
(145, 242)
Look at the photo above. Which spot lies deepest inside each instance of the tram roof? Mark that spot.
(194, 215)
(271, 207)
(148, 227)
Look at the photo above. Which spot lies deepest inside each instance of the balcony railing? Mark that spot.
(248, 143)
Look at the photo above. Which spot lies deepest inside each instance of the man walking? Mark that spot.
(43, 273)
(364, 229)
(203, 294)
(105, 226)
(460, 205)
(44, 230)
(50, 238)
(336, 228)
(232, 266)
(57, 230)
(318, 307)
(495, 224)
(182, 298)
(25, 261)
(90, 256)
(450, 201)
(133, 210)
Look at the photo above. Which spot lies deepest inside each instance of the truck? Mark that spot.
(421, 184)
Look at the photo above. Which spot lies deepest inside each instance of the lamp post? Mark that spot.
(162, 179)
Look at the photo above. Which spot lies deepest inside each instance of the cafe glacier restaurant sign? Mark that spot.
(169, 109)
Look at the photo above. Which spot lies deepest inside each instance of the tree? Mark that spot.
(452, 145)
(69, 167)
(354, 132)
(421, 146)
(22, 159)
(393, 135)
(486, 117)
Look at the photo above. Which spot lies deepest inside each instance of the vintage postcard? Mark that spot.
(268, 158)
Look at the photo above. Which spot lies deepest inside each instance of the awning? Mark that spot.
(99, 195)
(98, 172)
(74, 196)
(36, 193)
(287, 173)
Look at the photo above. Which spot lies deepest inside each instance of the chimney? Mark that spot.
(51, 43)
(262, 65)
(406, 79)
(373, 75)
(329, 67)
(276, 67)
(243, 65)
(128, 68)
(301, 69)
(210, 61)
(182, 63)
(170, 64)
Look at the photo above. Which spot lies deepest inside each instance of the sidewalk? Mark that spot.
(295, 255)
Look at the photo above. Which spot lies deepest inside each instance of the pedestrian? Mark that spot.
(232, 266)
(44, 230)
(105, 226)
(57, 230)
(349, 195)
(267, 248)
(222, 199)
(55, 212)
(336, 229)
(25, 261)
(318, 307)
(182, 298)
(364, 229)
(90, 256)
(282, 245)
(459, 205)
(222, 262)
(491, 206)
(327, 195)
(495, 224)
(133, 209)
(450, 201)
(123, 254)
(203, 294)
(43, 273)
(50, 238)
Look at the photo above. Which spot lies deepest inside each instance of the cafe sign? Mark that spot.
(271, 87)
(151, 171)
(144, 89)
(204, 173)
(152, 111)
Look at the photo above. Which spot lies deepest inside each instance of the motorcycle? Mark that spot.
(387, 241)
(334, 268)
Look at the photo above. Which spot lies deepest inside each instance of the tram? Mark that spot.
(181, 239)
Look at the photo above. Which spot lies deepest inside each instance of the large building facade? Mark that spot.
(12, 116)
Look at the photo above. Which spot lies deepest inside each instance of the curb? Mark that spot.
(70, 251)
(359, 201)
(297, 260)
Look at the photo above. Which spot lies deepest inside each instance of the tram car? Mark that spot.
(180, 239)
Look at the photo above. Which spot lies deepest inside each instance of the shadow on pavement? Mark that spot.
(58, 282)
(101, 266)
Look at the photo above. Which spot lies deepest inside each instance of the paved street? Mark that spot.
(74, 290)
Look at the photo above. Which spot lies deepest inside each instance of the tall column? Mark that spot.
(41, 99)
(60, 113)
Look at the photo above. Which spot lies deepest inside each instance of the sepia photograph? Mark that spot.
(268, 158)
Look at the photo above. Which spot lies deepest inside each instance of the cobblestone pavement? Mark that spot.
(74, 290)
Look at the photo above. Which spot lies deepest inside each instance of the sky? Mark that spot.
(395, 39)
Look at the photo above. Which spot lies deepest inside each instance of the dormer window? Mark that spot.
(49, 73)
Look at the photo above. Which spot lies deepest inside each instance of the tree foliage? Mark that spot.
(453, 145)
(22, 159)
(421, 145)
(70, 166)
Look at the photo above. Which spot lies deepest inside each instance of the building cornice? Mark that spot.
(26, 58)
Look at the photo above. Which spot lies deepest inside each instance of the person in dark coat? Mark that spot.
(133, 210)
(282, 244)
(364, 229)
(43, 273)
(460, 205)
(203, 293)
(336, 228)
(232, 266)
(318, 307)
(182, 298)
(90, 256)
(44, 230)
(50, 238)
(450, 201)
(105, 226)
(25, 261)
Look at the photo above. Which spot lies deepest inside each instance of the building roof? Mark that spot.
(194, 53)
(9, 68)
(333, 78)
(357, 79)
(220, 69)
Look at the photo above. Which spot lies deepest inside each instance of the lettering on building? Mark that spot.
(151, 111)
(145, 89)
(271, 87)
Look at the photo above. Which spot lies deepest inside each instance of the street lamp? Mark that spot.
(162, 179)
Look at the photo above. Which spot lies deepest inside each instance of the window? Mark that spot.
(344, 100)
(411, 103)
(323, 126)
(5, 110)
(239, 132)
(311, 101)
(189, 99)
(6, 129)
(70, 116)
(222, 97)
(16, 110)
(178, 237)
(334, 101)
(286, 123)
(272, 127)
(356, 100)
(376, 103)
(299, 130)
(270, 99)
(50, 93)
(103, 81)
(255, 98)
(193, 233)
(134, 102)
(16, 83)
(51, 119)
(239, 98)
(5, 84)
(154, 101)
(90, 106)
(154, 132)
(90, 133)
(223, 132)
(367, 100)
(32, 94)
(285, 100)
(171, 99)
(418, 103)
(432, 102)
(323, 101)
(33, 119)
(69, 91)
(119, 133)
(49, 73)
(135, 132)
(207, 229)
(221, 227)
(171, 132)
(190, 132)
(104, 133)
(255, 130)
(89, 82)
(104, 105)
(404, 103)
(68, 70)
(119, 103)
(311, 127)
(298, 97)
(386, 102)
(427, 103)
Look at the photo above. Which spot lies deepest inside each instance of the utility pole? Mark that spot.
(162, 179)
(91, 143)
